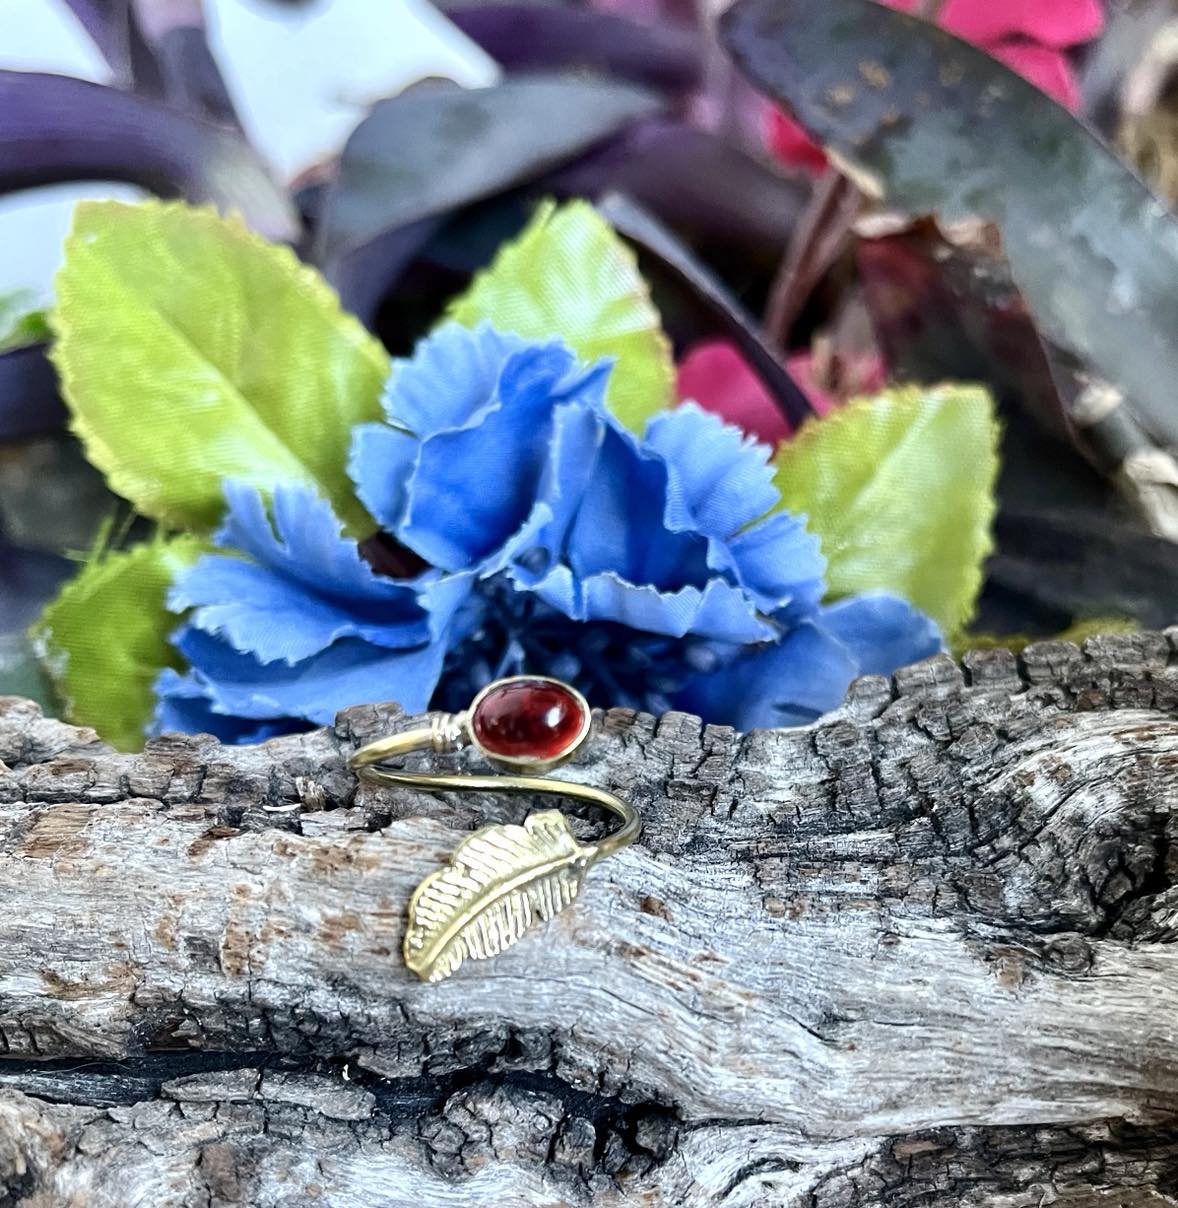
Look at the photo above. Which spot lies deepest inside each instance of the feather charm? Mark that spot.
(499, 882)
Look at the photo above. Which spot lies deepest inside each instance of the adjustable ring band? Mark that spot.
(503, 878)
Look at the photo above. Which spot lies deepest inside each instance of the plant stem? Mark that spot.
(816, 243)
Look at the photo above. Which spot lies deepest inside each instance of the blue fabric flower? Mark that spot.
(516, 464)
(807, 672)
(486, 438)
(293, 625)
(650, 571)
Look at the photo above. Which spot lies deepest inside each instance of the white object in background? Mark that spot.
(302, 76)
(33, 227)
(43, 35)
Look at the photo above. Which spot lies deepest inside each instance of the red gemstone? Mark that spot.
(531, 719)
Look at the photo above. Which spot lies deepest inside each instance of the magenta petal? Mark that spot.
(716, 376)
(1047, 69)
(1054, 23)
(791, 145)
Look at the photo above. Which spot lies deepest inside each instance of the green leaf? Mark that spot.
(104, 639)
(30, 328)
(900, 489)
(191, 351)
(570, 275)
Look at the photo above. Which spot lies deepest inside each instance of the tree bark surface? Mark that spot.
(923, 952)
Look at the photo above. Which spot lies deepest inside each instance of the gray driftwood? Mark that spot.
(921, 953)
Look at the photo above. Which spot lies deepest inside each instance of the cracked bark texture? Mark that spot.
(922, 952)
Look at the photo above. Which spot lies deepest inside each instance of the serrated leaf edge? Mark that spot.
(305, 279)
(981, 536)
(102, 566)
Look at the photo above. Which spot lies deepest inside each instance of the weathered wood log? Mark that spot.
(920, 953)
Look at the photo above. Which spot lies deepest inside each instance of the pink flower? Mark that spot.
(716, 375)
(1031, 37)
(791, 144)
(1054, 23)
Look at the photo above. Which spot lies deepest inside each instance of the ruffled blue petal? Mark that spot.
(719, 480)
(315, 690)
(882, 632)
(718, 610)
(306, 587)
(790, 683)
(444, 598)
(619, 527)
(305, 544)
(455, 381)
(720, 484)
(470, 501)
(380, 463)
(809, 671)
(577, 435)
(778, 561)
(275, 619)
(183, 707)
(451, 376)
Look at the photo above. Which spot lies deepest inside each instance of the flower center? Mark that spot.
(531, 719)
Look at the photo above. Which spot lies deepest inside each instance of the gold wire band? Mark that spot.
(443, 734)
(440, 735)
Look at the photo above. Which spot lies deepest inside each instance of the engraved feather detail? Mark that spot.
(499, 882)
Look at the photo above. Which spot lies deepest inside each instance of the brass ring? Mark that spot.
(501, 879)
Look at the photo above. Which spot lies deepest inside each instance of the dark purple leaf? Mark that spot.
(1129, 31)
(52, 498)
(729, 316)
(184, 70)
(431, 150)
(669, 165)
(818, 243)
(940, 127)
(29, 401)
(696, 182)
(159, 48)
(525, 37)
(54, 128)
(1070, 563)
(364, 276)
(191, 78)
(425, 265)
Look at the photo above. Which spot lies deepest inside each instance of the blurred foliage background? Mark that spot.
(850, 198)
